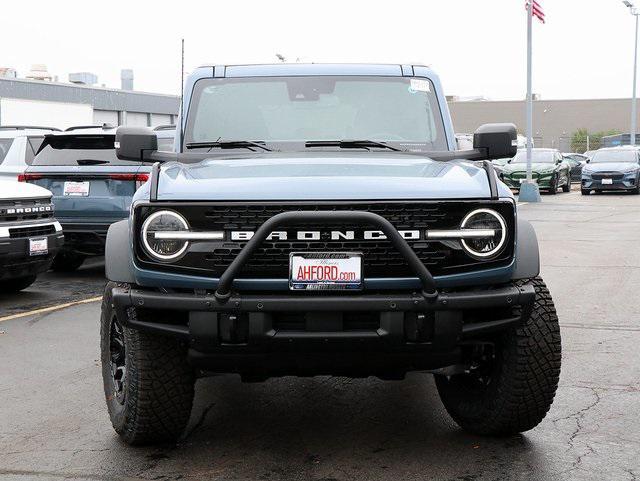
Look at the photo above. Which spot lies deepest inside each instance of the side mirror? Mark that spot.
(135, 143)
(498, 140)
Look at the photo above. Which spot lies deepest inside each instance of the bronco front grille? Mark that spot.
(607, 175)
(32, 231)
(25, 209)
(380, 258)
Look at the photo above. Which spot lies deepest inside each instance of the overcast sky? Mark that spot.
(585, 50)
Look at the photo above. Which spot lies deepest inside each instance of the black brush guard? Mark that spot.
(211, 314)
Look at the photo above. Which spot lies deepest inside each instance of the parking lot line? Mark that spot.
(50, 308)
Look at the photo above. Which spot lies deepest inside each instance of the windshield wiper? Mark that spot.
(91, 162)
(229, 144)
(351, 144)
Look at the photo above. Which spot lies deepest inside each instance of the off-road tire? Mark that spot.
(16, 285)
(67, 262)
(158, 387)
(522, 379)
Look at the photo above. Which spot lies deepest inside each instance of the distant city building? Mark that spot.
(83, 78)
(39, 72)
(8, 72)
(126, 79)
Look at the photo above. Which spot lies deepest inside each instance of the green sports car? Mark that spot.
(549, 169)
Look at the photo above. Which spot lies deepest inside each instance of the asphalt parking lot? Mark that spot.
(54, 424)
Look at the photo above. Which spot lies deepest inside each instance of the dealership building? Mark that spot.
(55, 104)
(554, 121)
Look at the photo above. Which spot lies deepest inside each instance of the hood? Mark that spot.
(323, 176)
(522, 167)
(610, 166)
(10, 190)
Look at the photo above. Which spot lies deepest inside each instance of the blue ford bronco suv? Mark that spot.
(317, 220)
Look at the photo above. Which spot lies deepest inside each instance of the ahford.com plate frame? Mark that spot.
(326, 286)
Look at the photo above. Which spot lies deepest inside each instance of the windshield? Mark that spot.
(5, 145)
(602, 156)
(537, 157)
(401, 111)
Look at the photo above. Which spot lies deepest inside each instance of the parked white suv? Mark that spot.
(18, 147)
(30, 236)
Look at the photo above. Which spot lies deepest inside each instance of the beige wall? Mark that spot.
(554, 121)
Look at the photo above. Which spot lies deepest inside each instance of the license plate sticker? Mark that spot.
(38, 246)
(607, 181)
(80, 189)
(325, 271)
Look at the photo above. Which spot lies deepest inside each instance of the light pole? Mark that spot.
(635, 13)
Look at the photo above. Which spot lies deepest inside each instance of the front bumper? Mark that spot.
(15, 259)
(627, 182)
(325, 334)
(347, 333)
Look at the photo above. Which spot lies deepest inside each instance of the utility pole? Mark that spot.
(635, 13)
(529, 191)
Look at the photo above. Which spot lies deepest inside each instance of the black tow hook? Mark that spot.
(430, 297)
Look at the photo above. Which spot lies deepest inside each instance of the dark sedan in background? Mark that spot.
(577, 162)
(615, 168)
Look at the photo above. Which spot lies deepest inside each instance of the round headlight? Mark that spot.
(164, 248)
(484, 247)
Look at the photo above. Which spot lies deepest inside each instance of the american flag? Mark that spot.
(536, 10)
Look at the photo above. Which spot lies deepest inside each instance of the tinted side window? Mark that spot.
(33, 144)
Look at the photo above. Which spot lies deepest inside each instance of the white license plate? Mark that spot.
(38, 246)
(325, 271)
(607, 181)
(80, 189)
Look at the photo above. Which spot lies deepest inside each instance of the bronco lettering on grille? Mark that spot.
(317, 235)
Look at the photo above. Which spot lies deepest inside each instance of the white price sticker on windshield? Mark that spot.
(420, 85)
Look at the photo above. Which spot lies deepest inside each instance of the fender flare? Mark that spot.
(117, 256)
(527, 258)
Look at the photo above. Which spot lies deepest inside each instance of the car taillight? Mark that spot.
(28, 177)
(138, 178)
(141, 179)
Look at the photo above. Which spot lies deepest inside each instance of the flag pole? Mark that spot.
(529, 191)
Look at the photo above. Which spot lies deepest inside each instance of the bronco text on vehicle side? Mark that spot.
(316, 219)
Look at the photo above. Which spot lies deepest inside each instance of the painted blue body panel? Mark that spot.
(323, 176)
